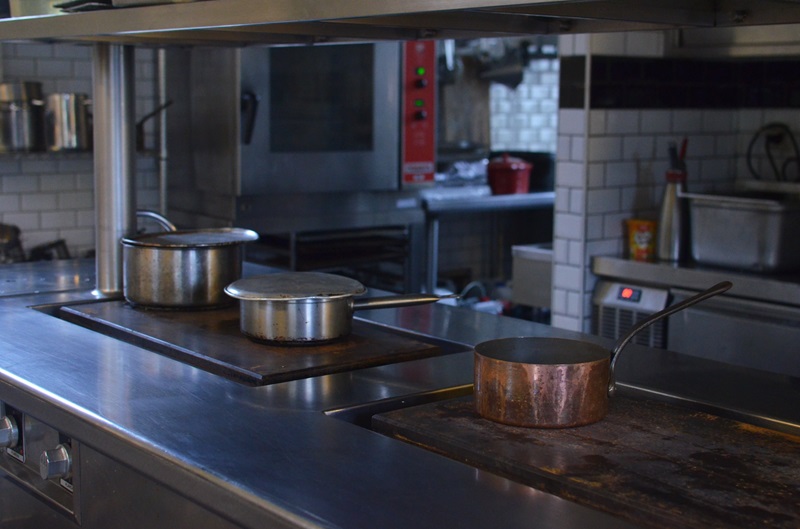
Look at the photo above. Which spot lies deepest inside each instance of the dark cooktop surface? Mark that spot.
(651, 463)
(212, 340)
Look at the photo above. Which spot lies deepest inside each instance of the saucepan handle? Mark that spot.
(402, 300)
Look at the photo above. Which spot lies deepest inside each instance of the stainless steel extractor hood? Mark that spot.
(242, 22)
(782, 40)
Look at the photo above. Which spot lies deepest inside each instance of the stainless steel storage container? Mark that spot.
(67, 123)
(27, 8)
(21, 117)
(754, 232)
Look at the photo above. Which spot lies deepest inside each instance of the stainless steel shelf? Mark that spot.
(241, 22)
(772, 288)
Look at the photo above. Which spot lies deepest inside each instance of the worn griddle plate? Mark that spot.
(651, 463)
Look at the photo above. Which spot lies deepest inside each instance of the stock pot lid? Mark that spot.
(192, 238)
(294, 286)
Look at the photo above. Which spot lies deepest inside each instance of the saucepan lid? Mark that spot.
(290, 286)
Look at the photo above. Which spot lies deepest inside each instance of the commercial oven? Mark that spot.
(309, 146)
(261, 121)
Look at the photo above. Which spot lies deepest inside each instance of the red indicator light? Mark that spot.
(627, 293)
(634, 295)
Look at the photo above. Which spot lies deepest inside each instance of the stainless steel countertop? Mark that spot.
(272, 455)
(46, 276)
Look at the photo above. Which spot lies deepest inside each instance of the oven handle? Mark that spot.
(249, 109)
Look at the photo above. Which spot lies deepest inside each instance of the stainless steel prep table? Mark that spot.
(449, 204)
(192, 446)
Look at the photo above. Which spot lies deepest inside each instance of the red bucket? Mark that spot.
(508, 175)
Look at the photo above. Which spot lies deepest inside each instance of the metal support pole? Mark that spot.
(114, 162)
(433, 253)
(161, 61)
(416, 273)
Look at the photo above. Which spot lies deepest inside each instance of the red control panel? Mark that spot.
(419, 113)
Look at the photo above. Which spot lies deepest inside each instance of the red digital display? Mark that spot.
(627, 293)
(630, 294)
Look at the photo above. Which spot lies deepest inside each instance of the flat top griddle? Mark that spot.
(211, 340)
(650, 463)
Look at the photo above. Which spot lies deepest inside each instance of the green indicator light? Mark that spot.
(419, 103)
(421, 70)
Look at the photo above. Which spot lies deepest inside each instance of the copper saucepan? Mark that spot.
(554, 382)
(296, 308)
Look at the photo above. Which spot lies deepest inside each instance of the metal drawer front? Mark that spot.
(739, 332)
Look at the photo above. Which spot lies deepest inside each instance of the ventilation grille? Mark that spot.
(613, 322)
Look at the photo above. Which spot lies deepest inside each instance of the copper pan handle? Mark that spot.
(719, 288)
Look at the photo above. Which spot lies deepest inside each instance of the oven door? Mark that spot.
(19, 509)
(738, 331)
(328, 118)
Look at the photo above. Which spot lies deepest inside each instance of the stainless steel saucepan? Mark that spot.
(295, 308)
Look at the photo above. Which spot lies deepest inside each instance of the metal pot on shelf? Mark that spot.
(67, 122)
(21, 117)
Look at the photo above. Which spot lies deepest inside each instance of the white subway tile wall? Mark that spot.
(50, 196)
(525, 118)
(621, 175)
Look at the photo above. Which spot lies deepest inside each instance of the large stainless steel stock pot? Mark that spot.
(184, 269)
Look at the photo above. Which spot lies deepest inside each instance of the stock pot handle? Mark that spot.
(160, 219)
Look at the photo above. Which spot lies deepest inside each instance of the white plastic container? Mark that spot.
(532, 271)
